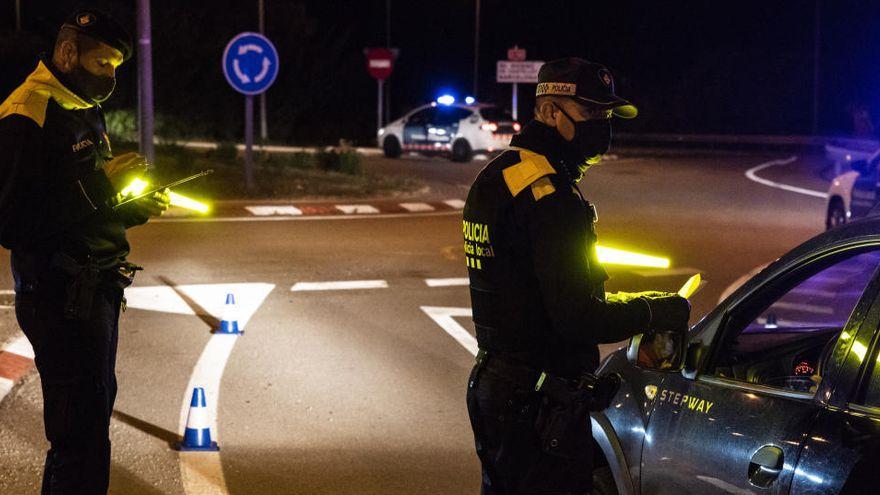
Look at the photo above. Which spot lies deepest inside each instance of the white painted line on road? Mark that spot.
(6, 293)
(806, 308)
(202, 472)
(357, 209)
(417, 207)
(751, 174)
(339, 285)
(21, 346)
(5, 387)
(266, 211)
(447, 282)
(303, 217)
(455, 203)
(814, 292)
(445, 317)
(668, 272)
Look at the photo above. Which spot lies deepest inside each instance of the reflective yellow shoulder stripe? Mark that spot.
(32, 97)
(542, 187)
(531, 168)
(26, 102)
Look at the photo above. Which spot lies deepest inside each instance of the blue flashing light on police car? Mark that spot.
(446, 99)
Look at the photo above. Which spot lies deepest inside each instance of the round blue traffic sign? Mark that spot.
(250, 63)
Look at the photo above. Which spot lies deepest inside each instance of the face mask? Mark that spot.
(591, 140)
(96, 88)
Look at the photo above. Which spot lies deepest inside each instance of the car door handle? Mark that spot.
(765, 466)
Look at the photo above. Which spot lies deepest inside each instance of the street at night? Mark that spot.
(303, 247)
(360, 390)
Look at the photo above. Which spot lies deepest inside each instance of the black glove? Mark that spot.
(669, 313)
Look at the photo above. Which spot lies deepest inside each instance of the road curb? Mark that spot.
(233, 209)
(16, 362)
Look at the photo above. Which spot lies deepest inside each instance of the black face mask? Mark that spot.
(96, 88)
(592, 138)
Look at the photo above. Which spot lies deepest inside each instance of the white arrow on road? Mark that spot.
(445, 317)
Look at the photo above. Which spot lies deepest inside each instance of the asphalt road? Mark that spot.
(360, 391)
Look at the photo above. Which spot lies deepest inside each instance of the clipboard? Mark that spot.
(163, 187)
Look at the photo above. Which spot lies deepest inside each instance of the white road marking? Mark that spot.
(21, 346)
(339, 285)
(752, 175)
(357, 209)
(445, 317)
(5, 387)
(455, 203)
(6, 293)
(417, 207)
(806, 308)
(270, 210)
(202, 472)
(814, 292)
(667, 272)
(447, 282)
(303, 217)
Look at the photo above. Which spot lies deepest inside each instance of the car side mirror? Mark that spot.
(860, 166)
(404, 120)
(658, 351)
(692, 356)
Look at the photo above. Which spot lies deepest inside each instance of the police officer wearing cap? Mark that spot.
(59, 183)
(537, 290)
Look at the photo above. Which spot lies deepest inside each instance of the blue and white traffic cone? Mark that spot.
(197, 435)
(229, 320)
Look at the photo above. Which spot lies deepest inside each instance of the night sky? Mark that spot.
(692, 67)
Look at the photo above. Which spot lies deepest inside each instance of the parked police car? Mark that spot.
(853, 194)
(777, 390)
(449, 128)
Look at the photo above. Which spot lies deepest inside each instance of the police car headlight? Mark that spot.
(381, 131)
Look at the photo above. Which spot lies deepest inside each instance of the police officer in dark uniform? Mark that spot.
(59, 183)
(537, 290)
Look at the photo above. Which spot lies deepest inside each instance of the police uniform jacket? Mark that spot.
(537, 288)
(54, 195)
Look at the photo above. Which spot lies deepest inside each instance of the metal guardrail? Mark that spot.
(753, 139)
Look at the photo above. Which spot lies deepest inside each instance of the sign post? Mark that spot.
(515, 54)
(250, 64)
(380, 64)
(517, 70)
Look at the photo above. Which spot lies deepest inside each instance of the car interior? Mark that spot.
(788, 343)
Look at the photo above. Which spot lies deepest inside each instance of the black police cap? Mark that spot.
(587, 82)
(102, 27)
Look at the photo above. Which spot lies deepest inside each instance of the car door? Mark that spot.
(864, 192)
(738, 426)
(842, 451)
(415, 130)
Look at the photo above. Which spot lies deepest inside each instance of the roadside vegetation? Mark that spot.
(320, 174)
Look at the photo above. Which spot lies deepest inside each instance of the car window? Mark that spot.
(421, 117)
(782, 339)
(450, 115)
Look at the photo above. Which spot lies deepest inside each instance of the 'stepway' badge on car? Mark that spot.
(685, 401)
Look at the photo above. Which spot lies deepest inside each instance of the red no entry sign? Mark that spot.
(380, 62)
